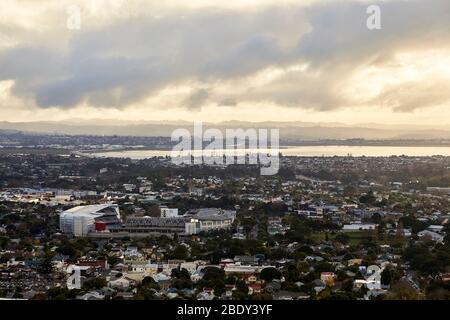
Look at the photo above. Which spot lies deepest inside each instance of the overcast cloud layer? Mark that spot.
(315, 56)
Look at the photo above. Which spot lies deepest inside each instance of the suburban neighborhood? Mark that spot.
(348, 228)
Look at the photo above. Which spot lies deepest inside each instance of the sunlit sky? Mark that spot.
(252, 60)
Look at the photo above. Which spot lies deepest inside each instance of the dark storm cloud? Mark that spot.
(339, 34)
(128, 60)
(197, 99)
(124, 62)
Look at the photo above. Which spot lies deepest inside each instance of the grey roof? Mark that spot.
(89, 210)
(212, 214)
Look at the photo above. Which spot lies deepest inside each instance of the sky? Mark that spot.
(205, 60)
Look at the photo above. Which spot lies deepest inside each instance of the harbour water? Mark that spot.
(301, 151)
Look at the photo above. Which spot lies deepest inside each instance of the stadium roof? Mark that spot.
(89, 210)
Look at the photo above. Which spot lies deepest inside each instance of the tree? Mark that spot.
(262, 296)
(343, 238)
(67, 249)
(180, 252)
(446, 231)
(219, 288)
(59, 293)
(386, 276)
(3, 242)
(402, 291)
(95, 283)
(337, 296)
(437, 291)
(368, 198)
(376, 217)
(148, 281)
(323, 267)
(46, 264)
(147, 289)
(423, 260)
(347, 285)
(241, 292)
(212, 273)
(113, 260)
(231, 279)
(290, 273)
(268, 274)
(180, 274)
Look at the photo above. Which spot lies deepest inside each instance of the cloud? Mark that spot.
(228, 102)
(339, 45)
(129, 60)
(197, 99)
(413, 95)
(127, 57)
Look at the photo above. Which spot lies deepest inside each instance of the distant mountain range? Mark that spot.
(288, 130)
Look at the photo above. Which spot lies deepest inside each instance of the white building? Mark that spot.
(238, 268)
(189, 266)
(207, 219)
(129, 187)
(168, 212)
(243, 269)
(121, 283)
(359, 227)
(168, 267)
(435, 228)
(80, 220)
(436, 237)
